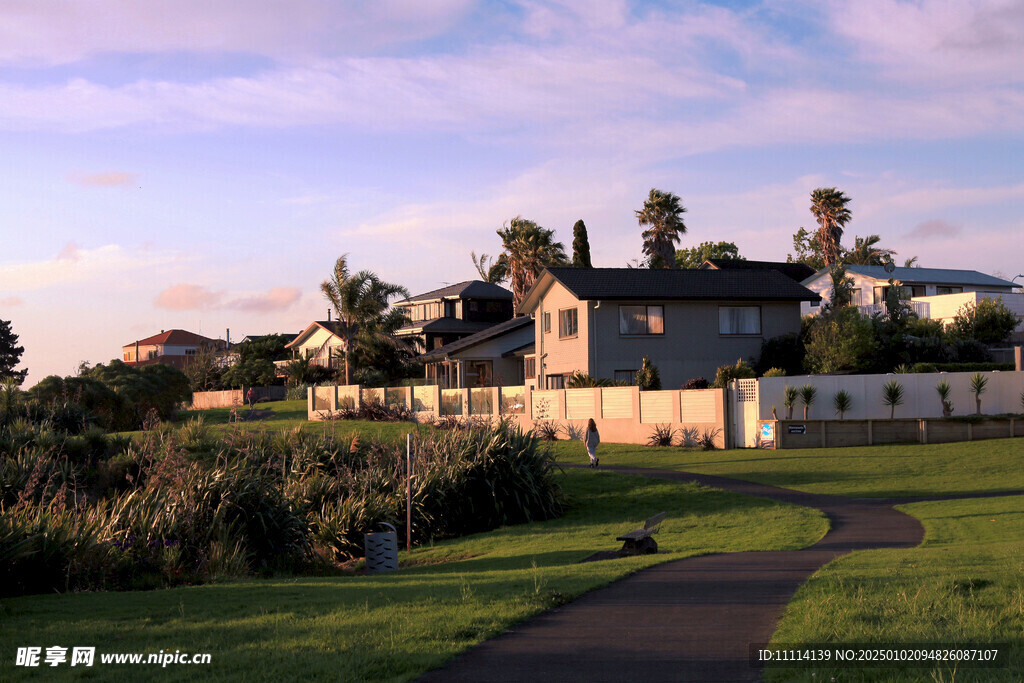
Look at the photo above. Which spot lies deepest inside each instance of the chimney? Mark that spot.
(229, 337)
(328, 315)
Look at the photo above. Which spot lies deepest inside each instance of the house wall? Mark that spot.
(315, 341)
(944, 307)
(690, 347)
(564, 356)
(506, 371)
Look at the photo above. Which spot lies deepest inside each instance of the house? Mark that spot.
(170, 347)
(794, 271)
(603, 321)
(319, 343)
(492, 357)
(921, 287)
(448, 314)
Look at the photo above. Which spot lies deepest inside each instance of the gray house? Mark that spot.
(493, 357)
(603, 321)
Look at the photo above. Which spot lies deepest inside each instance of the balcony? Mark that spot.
(922, 309)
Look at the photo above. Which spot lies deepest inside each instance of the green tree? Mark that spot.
(361, 301)
(527, 250)
(866, 252)
(149, 387)
(829, 208)
(204, 369)
(663, 216)
(647, 377)
(842, 287)
(580, 246)
(841, 342)
(10, 354)
(989, 322)
(806, 250)
(488, 269)
(692, 257)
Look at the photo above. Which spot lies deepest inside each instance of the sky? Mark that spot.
(200, 165)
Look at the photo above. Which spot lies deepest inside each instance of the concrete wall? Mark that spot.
(622, 414)
(920, 400)
(837, 434)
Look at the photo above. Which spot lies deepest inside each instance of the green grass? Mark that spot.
(870, 471)
(396, 626)
(286, 415)
(965, 583)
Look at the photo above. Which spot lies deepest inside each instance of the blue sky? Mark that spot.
(201, 165)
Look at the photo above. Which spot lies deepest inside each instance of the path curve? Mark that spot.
(690, 619)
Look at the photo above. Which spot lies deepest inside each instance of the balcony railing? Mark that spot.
(921, 308)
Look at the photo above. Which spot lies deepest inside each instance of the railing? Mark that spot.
(921, 308)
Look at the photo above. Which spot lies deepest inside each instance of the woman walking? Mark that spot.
(591, 438)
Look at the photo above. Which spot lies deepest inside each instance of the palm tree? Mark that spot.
(829, 208)
(489, 270)
(360, 301)
(866, 252)
(663, 213)
(528, 249)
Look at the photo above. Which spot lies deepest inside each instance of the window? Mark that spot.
(474, 306)
(568, 323)
(494, 307)
(627, 376)
(739, 320)
(815, 304)
(547, 322)
(555, 382)
(190, 352)
(855, 297)
(530, 367)
(945, 289)
(641, 320)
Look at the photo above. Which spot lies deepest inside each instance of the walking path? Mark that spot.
(691, 619)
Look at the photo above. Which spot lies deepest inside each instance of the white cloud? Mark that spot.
(103, 179)
(77, 265)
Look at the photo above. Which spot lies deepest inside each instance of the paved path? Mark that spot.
(686, 620)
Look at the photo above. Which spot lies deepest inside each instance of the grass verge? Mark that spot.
(396, 626)
(872, 471)
(964, 584)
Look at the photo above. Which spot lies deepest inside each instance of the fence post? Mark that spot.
(923, 430)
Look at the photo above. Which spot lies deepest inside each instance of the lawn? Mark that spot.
(283, 415)
(870, 471)
(965, 583)
(395, 626)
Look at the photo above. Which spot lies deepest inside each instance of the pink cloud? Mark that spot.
(107, 179)
(188, 297)
(276, 299)
(934, 228)
(11, 301)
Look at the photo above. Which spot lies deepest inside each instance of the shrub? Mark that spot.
(786, 352)
(647, 377)
(842, 402)
(989, 321)
(774, 372)
(662, 435)
(707, 439)
(696, 383)
(892, 396)
(807, 394)
(944, 391)
(582, 380)
(790, 395)
(841, 342)
(978, 384)
(547, 430)
(727, 373)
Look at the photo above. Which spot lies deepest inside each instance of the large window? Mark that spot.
(555, 381)
(530, 367)
(739, 320)
(943, 289)
(568, 323)
(641, 320)
(627, 376)
(547, 322)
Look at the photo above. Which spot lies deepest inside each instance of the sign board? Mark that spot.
(767, 431)
(796, 429)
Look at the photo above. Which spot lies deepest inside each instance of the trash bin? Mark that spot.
(382, 550)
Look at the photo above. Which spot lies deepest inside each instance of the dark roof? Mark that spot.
(941, 276)
(470, 289)
(443, 326)
(288, 336)
(174, 338)
(480, 337)
(794, 271)
(638, 284)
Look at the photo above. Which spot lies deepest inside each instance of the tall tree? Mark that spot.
(829, 208)
(10, 354)
(580, 246)
(360, 301)
(527, 250)
(866, 252)
(807, 251)
(694, 256)
(663, 214)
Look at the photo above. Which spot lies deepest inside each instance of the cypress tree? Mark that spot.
(580, 246)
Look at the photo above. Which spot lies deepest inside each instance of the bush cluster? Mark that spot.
(183, 506)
